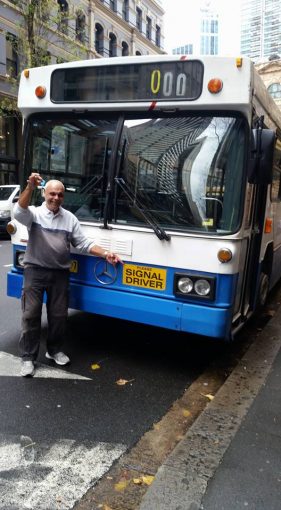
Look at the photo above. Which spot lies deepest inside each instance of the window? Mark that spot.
(112, 4)
(125, 10)
(158, 36)
(112, 45)
(276, 178)
(275, 90)
(99, 37)
(63, 16)
(80, 26)
(11, 56)
(125, 49)
(139, 19)
(148, 27)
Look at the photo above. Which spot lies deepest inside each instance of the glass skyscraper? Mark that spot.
(260, 28)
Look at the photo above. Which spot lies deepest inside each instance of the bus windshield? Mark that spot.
(184, 172)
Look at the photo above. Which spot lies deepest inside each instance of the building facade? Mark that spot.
(270, 72)
(67, 30)
(205, 21)
(260, 28)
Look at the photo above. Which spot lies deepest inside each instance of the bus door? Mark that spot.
(257, 275)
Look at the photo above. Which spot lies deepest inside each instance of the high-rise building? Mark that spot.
(205, 21)
(260, 28)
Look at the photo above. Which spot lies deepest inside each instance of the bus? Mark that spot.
(172, 162)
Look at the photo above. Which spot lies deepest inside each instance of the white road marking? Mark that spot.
(10, 365)
(40, 477)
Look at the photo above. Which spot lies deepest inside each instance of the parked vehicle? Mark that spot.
(8, 193)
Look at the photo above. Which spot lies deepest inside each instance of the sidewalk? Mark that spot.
(230, 459)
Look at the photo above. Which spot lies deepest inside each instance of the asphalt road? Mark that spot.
(61, 431)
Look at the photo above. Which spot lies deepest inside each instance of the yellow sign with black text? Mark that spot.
(144, 277)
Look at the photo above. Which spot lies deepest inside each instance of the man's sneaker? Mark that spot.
(59, 358)
(27, 368)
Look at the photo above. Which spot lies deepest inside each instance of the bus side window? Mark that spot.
(276, 178)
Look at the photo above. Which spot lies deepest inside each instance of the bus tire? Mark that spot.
(263, 289)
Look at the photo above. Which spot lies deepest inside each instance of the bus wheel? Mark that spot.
(263, 289)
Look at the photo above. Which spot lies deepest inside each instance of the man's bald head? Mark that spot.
(54, 195)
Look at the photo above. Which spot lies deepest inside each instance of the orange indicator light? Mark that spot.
(224, 255)
(268, 226)
(40, 92)
(215, 85)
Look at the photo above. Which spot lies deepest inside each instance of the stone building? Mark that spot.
(74, 30)
(270, 72)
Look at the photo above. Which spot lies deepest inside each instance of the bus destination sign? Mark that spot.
(160, 81)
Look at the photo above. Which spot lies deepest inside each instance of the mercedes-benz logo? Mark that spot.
(104, 272)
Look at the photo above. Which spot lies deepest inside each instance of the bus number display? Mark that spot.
(168, 82)
(159, 81)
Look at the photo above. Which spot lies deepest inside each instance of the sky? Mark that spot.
(179, 24)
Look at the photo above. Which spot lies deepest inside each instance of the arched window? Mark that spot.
(99, 39)
(275, 90)
(80, 26)
(125, 49)
(63, 16)
(138, 53)
(112, 45)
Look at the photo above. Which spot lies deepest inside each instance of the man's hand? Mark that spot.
(113, 258)
(34, 180)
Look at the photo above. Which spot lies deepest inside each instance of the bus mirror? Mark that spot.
(261, 160)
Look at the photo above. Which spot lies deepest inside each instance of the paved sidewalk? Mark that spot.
(230, 459)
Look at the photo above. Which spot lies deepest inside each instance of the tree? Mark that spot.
(44, 23)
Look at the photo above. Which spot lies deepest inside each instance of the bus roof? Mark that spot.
(240, 82)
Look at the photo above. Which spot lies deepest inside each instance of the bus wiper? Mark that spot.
(159, 231)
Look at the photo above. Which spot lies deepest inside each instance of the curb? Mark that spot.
(182, 480)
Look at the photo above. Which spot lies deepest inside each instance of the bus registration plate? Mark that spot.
(145, 277)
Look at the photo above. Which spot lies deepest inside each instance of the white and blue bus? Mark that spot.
(174, 163)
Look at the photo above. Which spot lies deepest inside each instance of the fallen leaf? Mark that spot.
(122, 382)
(95, 366)
(137, 481)
(121, 486)
(209, 396)
(148, 479)
(106, 507)
(180, 437)
(186, 413)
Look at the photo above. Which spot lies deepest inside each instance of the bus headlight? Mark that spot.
(202, 287)
(19, 259)
(185, 285)
(194, 286)
(11, 228)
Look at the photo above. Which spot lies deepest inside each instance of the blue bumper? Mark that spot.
(197, 318)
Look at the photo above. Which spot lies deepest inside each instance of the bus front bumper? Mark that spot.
(167, 313)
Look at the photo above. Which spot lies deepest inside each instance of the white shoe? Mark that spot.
(59, 358)
(27, 368)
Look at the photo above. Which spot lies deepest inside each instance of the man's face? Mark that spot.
(54, 194)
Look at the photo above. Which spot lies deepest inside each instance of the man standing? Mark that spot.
(52, 230)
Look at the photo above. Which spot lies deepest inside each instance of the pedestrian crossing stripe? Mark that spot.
(10, 365)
